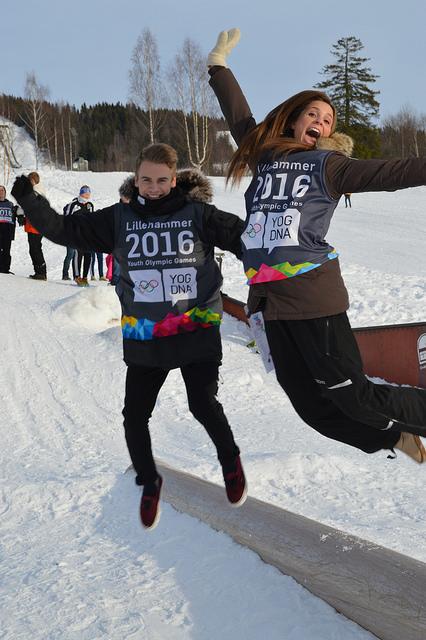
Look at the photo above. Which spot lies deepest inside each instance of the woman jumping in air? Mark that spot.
(300, 168)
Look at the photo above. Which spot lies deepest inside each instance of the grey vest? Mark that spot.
(169, 279)
(288, 215)
(6, 212)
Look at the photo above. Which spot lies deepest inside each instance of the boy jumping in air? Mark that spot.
(169, 290)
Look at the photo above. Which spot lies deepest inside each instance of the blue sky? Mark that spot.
(81, 49)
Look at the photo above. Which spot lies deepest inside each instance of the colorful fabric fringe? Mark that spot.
(282, 271)
(144, 329)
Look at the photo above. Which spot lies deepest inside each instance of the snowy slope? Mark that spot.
(75, 562)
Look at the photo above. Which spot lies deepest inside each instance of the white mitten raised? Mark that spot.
(226, 41)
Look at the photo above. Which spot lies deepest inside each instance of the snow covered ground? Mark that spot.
(76, 563)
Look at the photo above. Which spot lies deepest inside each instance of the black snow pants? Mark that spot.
(143, 385)
(7, 233)
(36, 253)
(318, 364)
(85, 258)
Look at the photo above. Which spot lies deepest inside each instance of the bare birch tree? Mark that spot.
(34, 110)
(146, 86)
(403, 134)
(62, 133)
(55, 141)
(194, 99)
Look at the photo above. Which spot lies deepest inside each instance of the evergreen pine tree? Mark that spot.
(347, 83)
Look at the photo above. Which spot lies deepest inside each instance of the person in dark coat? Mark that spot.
(169, 289)
(34, 236)
(301, 168)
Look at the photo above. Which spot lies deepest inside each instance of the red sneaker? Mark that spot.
(150, 509)
(235, 483)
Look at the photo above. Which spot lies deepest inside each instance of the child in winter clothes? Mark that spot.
(169, 290)
(7, 230)
(300, 171)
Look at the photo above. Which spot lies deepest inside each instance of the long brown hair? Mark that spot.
(274, 133)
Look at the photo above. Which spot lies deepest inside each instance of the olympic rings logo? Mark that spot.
(253, 230)
(147, 287)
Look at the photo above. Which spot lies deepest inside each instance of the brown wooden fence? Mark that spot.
(396, 353)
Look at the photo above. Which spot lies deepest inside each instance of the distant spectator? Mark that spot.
(126, 191)
(79, 204)
(34, 237)
(98, 257)
(71, 252)
(348, 200)
(7, 230)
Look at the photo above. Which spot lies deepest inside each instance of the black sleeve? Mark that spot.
(232, 101)
(84, 231)
(222, 229)
(346, 175)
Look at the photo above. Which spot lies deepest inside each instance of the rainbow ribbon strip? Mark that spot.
(144, 329)
(282, 270)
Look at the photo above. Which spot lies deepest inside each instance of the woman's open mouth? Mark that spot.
(313, 132)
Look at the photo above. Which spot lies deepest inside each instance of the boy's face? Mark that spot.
(2, 193)
(154, 181)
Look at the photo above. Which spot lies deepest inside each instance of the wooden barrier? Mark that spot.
(396, 353)
(380, 590)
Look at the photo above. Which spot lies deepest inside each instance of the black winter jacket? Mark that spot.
(97, 232)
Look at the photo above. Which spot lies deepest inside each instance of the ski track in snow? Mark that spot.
(76, 563)
(80, 543)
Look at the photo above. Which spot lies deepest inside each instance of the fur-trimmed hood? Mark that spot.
(337, 142)
(192, 183)
(195, 184)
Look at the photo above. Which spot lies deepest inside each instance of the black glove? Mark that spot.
(21, 219)
(21, 187)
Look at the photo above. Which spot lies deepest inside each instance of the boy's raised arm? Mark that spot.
(85, 231)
